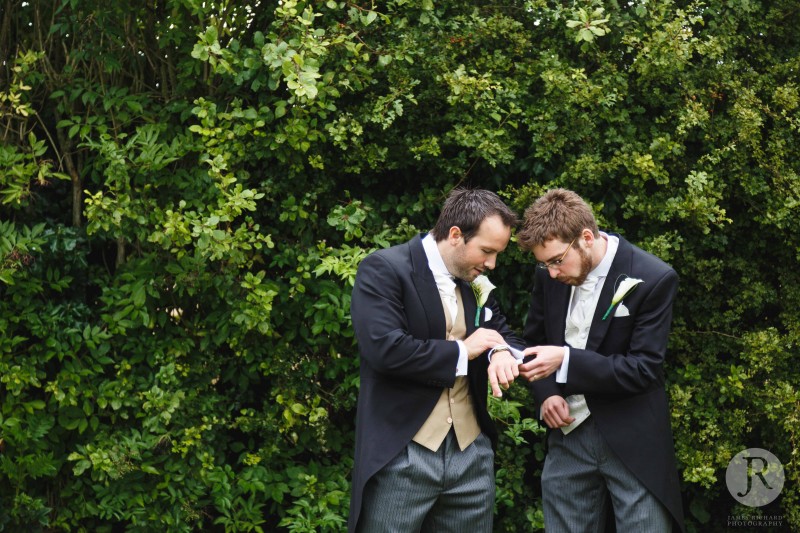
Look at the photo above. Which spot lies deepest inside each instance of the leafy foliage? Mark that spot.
(186, 189)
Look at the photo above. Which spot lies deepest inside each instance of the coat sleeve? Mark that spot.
(535, 334)
(392, 330)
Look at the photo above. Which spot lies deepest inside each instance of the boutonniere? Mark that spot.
(481, 287)
(626, 287)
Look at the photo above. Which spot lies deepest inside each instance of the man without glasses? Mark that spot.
(423, 458)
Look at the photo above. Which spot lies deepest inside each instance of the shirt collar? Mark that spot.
(435, 261)
(601, 270)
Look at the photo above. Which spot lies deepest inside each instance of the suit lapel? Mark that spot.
(558, 300)
(619, 267)
(428, 292)
(470, 305)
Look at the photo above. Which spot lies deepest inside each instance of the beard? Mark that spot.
(465, 273)
(461, 268)
(586, 267)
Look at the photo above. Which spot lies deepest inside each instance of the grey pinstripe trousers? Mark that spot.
(580, 473)
(447, 491)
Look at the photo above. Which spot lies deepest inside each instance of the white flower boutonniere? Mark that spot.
(481, 287)
(626, 287)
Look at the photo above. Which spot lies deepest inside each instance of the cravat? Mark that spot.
(577, 333)
(582, 311)
(447, 290)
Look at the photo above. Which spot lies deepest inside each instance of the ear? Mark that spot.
(454, 235)
(588, 237)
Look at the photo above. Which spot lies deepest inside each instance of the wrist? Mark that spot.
(499, 348)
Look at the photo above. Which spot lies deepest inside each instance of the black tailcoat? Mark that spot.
(406, 361)
(621, 371)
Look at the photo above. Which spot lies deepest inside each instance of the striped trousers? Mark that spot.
(581, 473)
(446, 491)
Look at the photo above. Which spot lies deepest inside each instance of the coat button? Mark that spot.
(449, 420)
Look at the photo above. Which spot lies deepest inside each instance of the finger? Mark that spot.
(530, 351)
(496, 392)
(501, 378)
(510, 372)
(565, 421)
(538, 369)
(496, 339)
(535, 372)
(489, 332)
(564, 416)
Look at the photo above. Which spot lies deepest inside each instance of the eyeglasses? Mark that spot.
(556, 263)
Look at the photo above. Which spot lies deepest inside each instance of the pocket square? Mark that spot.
(488, 314)
(622, 311)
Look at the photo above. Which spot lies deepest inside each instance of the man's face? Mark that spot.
(568, 264)
(468, 260)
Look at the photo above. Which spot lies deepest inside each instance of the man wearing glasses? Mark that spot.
(597, 328)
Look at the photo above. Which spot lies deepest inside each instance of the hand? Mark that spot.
(502, 370)
(481, 340)
(555, 412)
(547, 360)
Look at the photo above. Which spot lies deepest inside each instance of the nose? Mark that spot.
(553, 271)
(490, 262)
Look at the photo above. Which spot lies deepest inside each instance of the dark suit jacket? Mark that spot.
(405, 360)
(621, 370)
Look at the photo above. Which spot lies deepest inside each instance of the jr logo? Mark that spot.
(754, 477)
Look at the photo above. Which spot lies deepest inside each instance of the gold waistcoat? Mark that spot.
(454, 408)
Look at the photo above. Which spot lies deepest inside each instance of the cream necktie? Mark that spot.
(582, 311)
(577, 333)
(447, 291)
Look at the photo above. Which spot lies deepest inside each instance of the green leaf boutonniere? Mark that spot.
(626, 287)
(481, 287)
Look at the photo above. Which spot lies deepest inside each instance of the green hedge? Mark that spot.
(187, 188)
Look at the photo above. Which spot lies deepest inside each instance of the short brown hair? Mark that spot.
(558, 214)
(467, 209)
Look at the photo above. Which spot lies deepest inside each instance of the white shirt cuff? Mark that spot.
(463, 359)
(561, 373)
